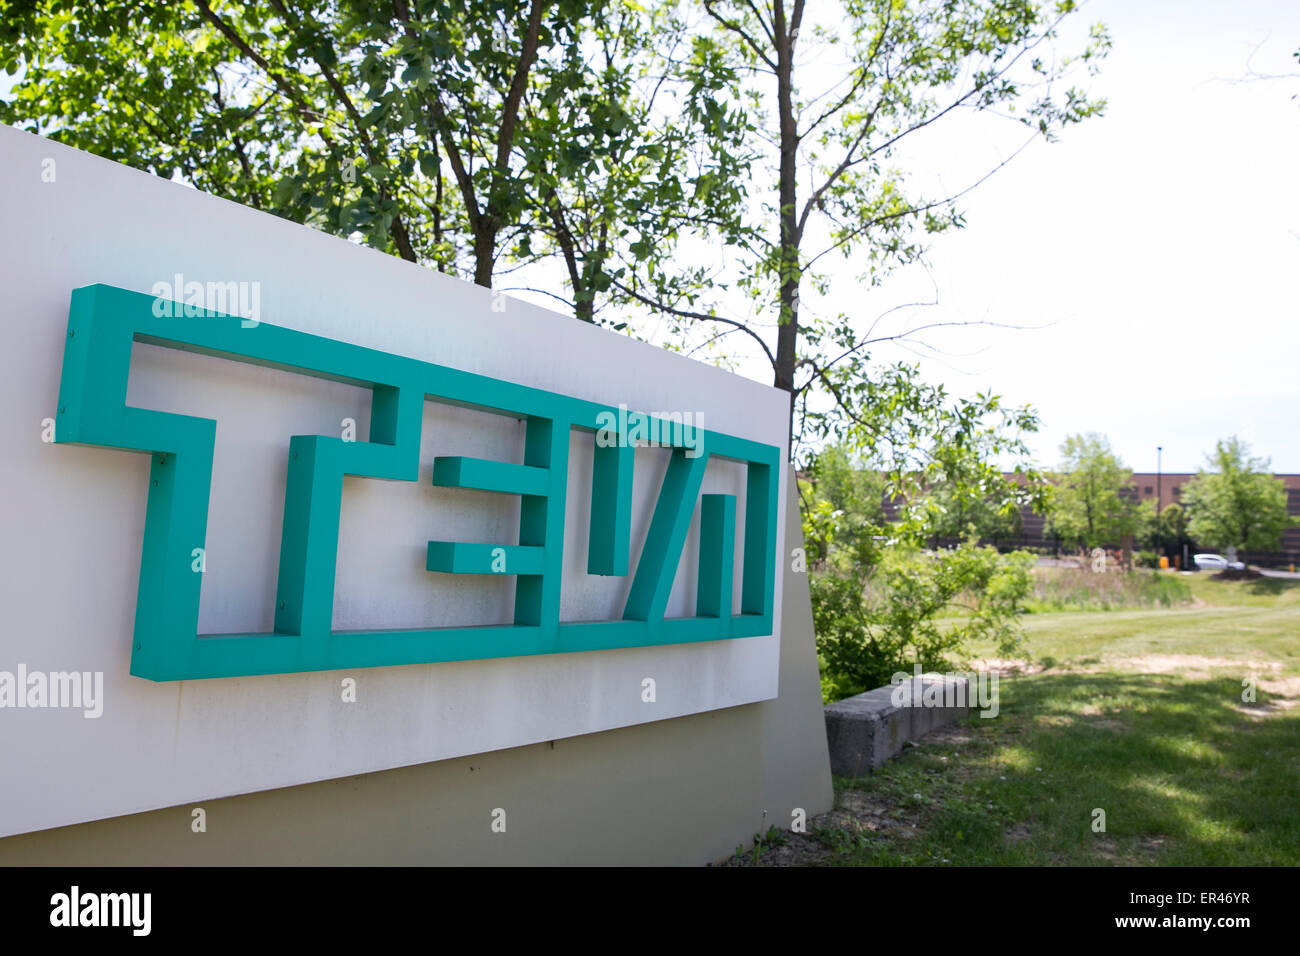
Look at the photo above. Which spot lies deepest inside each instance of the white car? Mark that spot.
(1216, 562)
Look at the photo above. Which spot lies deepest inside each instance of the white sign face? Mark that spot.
(105, 742)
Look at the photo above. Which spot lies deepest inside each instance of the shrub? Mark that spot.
(1075, 589)
(913, 606)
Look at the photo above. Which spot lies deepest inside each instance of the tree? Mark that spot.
(1168, 530)
(312, 112)
(965, 494)
(646, 152)
(1254, 76)
(827, 183)
(619, 137)
(1240, 504)
(843, 508)
(914, 607)
(878, 593)
(460, 136)
(1091, 502)
(948, 488)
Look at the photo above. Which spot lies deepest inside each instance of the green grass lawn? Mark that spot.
(1138, 713)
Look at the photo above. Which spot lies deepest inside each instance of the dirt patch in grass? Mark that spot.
(860, 817)
(1284, 694)
(1053, 720)
(1288, 687)
(959, 767)
(954, 735)
(1101, 717)
(1166, 663)
(1105, 848)
(1006, 666)
(797, 850)
(1188, 666)
(857, 815)
(1017, 834)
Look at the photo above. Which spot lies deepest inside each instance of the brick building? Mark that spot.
(1169, 487)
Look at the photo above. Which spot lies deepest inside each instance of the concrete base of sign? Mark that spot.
(865, 731)
(682, 791)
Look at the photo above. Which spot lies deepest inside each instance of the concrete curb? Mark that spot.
(863, 732)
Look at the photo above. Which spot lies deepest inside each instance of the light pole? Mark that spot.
(1160, 537)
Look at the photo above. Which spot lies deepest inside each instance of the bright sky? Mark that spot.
(1161, 242)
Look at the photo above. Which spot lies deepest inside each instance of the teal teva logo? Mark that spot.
(104, 322)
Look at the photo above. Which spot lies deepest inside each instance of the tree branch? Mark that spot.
(698, 316)
(736, 28)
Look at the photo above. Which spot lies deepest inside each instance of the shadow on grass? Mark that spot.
(1183, 771)
(1272, 586)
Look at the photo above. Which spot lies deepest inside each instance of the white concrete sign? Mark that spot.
(74, 515)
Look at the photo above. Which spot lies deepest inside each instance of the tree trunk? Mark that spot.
(485, 241)
(787, 337)
(437, 214)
